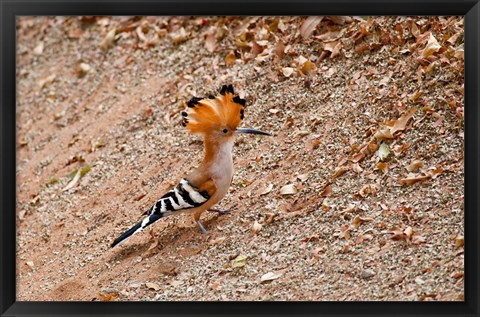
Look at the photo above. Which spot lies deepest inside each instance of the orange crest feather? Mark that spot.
(206, 115)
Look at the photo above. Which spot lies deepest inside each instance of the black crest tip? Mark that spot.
(194, 101)
(239, 100)
(223, 90)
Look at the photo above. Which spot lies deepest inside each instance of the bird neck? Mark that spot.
(217, 151)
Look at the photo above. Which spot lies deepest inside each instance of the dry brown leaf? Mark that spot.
(327, 190)
(408, 233)
(340, 19)
(308, 68)
(211, 40)
(270, 276)
(401, 122)
(109, 40)
(256, 227)
(287, 71)
(280, 49)
(230, 58)
(412, 179)
(153, 286)
(38, 50)
(432, 47)
(370, 189)
(74, 181)
(415, 165)
(46, 81)
(330, 36)
(339, 171)
(266, 190)
(179, 37)
(309, 26)
(289, 189)
(433, 172)
(239, 261)
(383, 133)
(382, 166)
(357, 221)
(459, 241)
(107, 297)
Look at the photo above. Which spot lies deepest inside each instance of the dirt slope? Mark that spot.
(357, 196)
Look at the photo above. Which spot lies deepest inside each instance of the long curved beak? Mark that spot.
(251, 131)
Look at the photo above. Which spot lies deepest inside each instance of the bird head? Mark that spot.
(217, 116)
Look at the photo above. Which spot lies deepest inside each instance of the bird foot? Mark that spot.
(202, 229)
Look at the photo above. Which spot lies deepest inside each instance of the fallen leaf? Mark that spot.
(408, 233)
(83, 69)
(459, 241)
(153, 286)
(432, 47)
(269, 276)
(307, 67)
(357, 221)
(433, 172)
(230, 59)
(370, 189)
(179, 37)
(280, 49)
(339, 171)
(74, 181)
(382, 167)
(415, 165)
(239, 261)
(412, 179)
(327, 190)
(256, 227)
(266, 190)
(107, 297)
(309, 26)
(38, 50)
(401, 122)
(383, 151)
(289, 189)
(211, 40)
(46, 81)
(109, 40)
(330, 36)
(287, 71)
(383, 133)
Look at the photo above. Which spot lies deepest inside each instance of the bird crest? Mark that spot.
(214, 113)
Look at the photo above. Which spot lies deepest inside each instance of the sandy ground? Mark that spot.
(358, 195)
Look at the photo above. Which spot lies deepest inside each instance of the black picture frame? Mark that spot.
(10, 9)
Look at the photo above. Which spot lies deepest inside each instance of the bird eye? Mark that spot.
(224, 130)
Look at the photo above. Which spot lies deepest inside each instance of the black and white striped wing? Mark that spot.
(181, 197)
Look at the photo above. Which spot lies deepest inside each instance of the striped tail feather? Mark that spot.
(183, 196)
(137, 228)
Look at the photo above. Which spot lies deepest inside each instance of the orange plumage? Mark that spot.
(211, 114)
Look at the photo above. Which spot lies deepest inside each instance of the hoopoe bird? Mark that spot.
(216, 118)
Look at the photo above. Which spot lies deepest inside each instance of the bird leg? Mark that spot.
(196, 216)
(202, 229)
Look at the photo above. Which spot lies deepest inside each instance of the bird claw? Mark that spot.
(202, 229)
